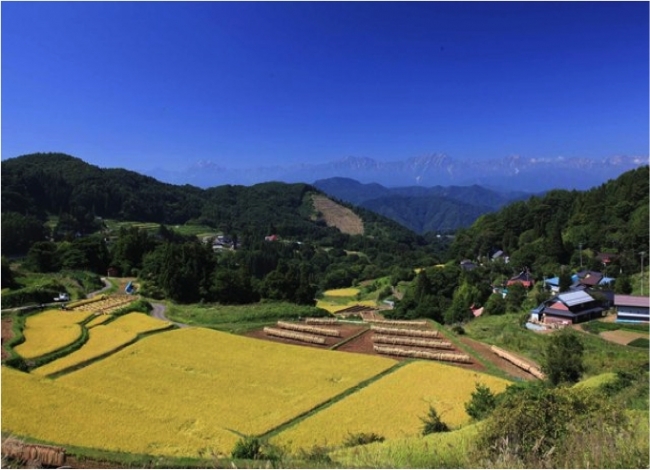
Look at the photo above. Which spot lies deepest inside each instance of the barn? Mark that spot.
(632, 308)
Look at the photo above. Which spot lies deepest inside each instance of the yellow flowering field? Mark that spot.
(50, 330)
(49, 410)
(103, 339)
(392, 406)
(347, 292)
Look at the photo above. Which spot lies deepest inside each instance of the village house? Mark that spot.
(568, 308)
(524, 278)
(632, 308)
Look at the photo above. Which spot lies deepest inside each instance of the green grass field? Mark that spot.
(239, 318)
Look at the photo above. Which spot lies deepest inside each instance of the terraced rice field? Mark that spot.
(104, 339)
(347, 292)
(49, 331)
(98, 320)
(334, 306)
(180, 393)
(392, 406)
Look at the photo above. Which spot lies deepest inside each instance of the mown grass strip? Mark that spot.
(326, 404)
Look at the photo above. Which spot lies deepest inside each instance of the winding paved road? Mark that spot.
(159, 313)
(107, 285)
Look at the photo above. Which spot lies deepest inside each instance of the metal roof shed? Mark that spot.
(575, 298)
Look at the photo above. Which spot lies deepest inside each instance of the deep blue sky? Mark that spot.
(143, 85)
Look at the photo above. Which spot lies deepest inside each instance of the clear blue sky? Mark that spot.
(142, 85)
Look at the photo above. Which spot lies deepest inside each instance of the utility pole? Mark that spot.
(642, 278)
(580, 248)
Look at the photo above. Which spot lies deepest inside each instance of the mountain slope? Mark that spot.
(60, 185)
(419, 208)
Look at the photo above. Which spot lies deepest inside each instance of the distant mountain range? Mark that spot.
(513, 173)
(433, 209)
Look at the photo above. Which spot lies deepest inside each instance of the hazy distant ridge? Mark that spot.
(513, 173)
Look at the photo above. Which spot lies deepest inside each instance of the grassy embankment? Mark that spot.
(599, 355)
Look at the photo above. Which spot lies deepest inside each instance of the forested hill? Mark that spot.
(422, 209)
(544, 232)
(50, 184)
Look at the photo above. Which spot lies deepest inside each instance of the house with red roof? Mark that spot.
(524, 278)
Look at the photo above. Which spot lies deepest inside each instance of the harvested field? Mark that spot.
(621, 336)
(335, 215)
(346, 331)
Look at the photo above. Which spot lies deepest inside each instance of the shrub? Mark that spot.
(563, 361)
(532, 422)
(482, 403)
(361, 438)
(433, 423)
(458, 329)
(254, 448)
(248, 448)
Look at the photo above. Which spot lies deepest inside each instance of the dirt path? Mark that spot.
(488, 355)
(159, 313)
(107, 285)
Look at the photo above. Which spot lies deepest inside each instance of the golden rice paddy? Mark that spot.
(50, 330)
(392, 406)
(180, 392)
(347, 292)
(336, 306)
(103, 339)
(98, 320)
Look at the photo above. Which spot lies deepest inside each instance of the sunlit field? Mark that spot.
(103, 339)
(347, 292)
(440, 450)
(180, 393)
(392, 406)
(50, 330)
(332, 306)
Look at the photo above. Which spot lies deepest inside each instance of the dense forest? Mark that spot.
(309, 255)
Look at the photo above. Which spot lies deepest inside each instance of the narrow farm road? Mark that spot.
(159, 313)
(107, 285)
